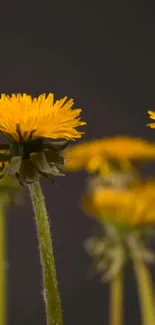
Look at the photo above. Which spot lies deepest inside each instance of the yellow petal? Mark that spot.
(48, 119)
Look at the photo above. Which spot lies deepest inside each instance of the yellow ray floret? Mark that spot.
(152, 116)
(39, 115)
(92, 154)
(126, 206)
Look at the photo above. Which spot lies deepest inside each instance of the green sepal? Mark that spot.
(40, 161)
(47, 166)
(14, 165)
(28, 173)
(55, 161)
(55, 171)
(48, 176)
(16, 149)
(53, 157)
(57, 146)
(19, 179)
(116, 258)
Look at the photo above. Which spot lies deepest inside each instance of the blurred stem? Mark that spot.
(116, 300)
(51, 293)
(146, 293)
(3, 288)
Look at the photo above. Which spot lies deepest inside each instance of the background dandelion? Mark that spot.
(124, 206)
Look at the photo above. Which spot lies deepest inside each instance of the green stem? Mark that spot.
(50, 285)
(146, 293)
(116, 300)
(2, 267)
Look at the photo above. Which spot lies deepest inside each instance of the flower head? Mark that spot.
(127, 215)
(93, 155)
(38, 117)
(27, 123)
(130, 206)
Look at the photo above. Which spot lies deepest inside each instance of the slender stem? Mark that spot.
(50, 285)
(146, 293)
(116, 300)
(2, 267)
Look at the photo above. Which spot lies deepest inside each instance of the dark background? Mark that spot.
(102, 54)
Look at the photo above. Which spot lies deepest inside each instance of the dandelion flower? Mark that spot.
(127, 206)
(94, 154)
(27, 123)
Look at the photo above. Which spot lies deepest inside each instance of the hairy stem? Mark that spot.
(50, 285)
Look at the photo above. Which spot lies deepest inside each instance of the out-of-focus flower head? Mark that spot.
(128, 206)
(125, 207)
(117, 198)
(27, 123)
(98, 154)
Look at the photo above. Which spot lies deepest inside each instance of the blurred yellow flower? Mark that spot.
(152, 116)
(93, 154)
(130, 206)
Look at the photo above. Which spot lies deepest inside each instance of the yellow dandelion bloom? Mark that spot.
(26, 123)
(40, 117)
(131, 206)
(152, 116)
(93, 154)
